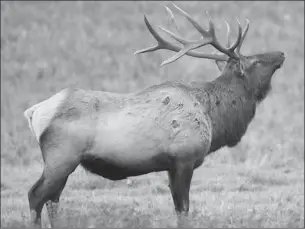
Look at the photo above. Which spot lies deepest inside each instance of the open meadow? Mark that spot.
(48, 46)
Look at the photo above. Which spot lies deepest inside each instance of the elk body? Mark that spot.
(168, 127)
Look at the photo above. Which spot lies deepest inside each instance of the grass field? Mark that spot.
(47, 46)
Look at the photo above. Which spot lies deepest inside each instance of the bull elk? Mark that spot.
(167, 127)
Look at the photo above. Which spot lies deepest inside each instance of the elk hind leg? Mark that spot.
(53, 204)
(35, 202)
(49, 187)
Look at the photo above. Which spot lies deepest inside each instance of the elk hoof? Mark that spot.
(35, 220)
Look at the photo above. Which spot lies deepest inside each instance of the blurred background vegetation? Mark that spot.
(47, 46)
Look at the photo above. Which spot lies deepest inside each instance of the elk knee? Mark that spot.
(35, 195)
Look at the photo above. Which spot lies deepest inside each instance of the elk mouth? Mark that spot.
(280, 61)
(280, 64)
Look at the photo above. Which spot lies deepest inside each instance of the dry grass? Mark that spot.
(47, 46)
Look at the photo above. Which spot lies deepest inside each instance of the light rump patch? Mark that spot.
(40, 115)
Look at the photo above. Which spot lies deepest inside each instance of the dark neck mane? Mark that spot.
(231, 108)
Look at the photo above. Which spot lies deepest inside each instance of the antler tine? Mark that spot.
(211, 24)
(158, 38)
(192, 21)
(172, 18)
(243, 37)
(238, 40)
(228, 34)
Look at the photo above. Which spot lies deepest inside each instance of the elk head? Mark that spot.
(256, 70)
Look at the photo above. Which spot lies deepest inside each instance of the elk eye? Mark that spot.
(256, 63)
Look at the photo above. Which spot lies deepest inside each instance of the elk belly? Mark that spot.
(121, 155)
(115, 170)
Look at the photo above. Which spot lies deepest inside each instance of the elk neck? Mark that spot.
(230, 103)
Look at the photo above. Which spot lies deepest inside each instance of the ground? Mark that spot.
(47, 46)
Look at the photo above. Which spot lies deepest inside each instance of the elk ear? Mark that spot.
(221, 64)
(242, 68)
(245, 65)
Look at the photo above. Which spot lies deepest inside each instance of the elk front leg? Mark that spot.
(52, 208)
(180, 177)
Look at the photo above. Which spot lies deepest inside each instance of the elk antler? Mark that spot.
(208, 37)
(242, 38)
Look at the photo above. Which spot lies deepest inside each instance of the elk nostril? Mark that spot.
(282, 55)
(279, 54)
